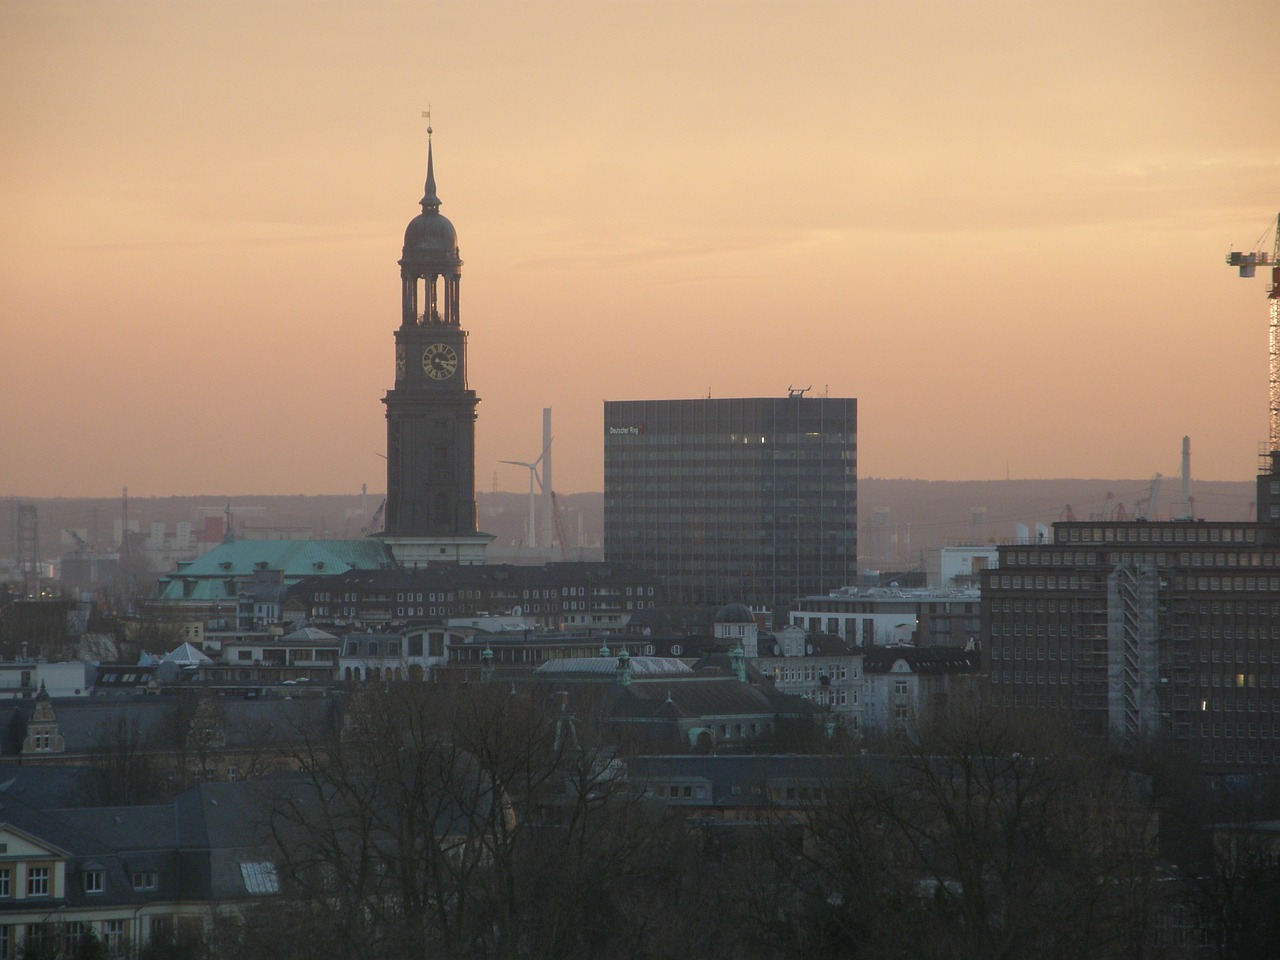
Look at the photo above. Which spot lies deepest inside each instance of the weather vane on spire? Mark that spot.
(426, 115)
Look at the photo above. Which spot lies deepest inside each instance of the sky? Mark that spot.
(1000, 225)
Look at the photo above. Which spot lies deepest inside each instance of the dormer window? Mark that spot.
(144, 879)
(37, 881)
(94, 880)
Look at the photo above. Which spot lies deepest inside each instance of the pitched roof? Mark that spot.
(716, 697)
(608, 666)
(186, 654)
(206, 577)
(925, 660)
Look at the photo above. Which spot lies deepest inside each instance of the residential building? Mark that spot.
(733, 500)
(903, 685)
(134, 877)
(308, 654)
(891, 616)
(663, 704)
(185, 737)
(823, 669)
(574, 595)
(211, 586)
(26, 678)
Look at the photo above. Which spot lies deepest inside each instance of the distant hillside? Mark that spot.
(926, 514)
(921, 514)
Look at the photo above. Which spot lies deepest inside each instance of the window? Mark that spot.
(93, 881)
(260, 877)
(144, 880)
(5, 889)
(6, 942)
(112, 935)
(72, 934)
(37, 881)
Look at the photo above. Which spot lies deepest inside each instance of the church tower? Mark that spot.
(431, 412)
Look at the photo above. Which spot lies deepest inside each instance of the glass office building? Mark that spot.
(741, 500)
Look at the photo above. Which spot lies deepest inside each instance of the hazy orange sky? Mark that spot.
(1000, 225)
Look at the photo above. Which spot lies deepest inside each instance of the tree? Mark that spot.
(126, 768)
(982, 836)
(400, 840)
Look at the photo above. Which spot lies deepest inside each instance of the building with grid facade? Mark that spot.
(1162, 630)
(736, 500)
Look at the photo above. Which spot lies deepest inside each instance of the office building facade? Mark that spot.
(1144, 630)
(735, 500)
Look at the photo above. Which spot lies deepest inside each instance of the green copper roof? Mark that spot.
(237, 560)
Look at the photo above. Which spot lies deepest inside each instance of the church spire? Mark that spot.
(430, 202)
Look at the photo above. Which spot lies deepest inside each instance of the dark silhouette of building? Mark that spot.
(749, 500)
(431, 411)
(1144, 630)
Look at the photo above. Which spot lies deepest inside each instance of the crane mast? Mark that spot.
(1247, 263)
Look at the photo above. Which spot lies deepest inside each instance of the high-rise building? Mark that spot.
(1144, 630)
(747, 500)
(431, 412)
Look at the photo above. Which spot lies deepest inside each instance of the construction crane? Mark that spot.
(374, 526)
(555, 512)
(1144, 508)
(1247, 262)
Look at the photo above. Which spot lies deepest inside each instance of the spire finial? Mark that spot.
(430, 202)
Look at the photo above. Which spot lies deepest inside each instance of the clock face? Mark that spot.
(399, 361)
(439, 361)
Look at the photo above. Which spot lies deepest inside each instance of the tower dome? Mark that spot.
(430, 238)
(735, 613)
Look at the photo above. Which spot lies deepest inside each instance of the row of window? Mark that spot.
(1238, 680)
(1074, 582)
(1151, 534)
(37, 881)
(1244, 705)
(838, 697)
(1240, 731)
(38, 878)
(1077, 605)
(813, 672)
(1252, 756)
(1051, 678)
(39, 937)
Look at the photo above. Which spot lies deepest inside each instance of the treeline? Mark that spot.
(479, 823)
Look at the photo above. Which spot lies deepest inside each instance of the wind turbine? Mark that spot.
(535, 487)
(539, 481)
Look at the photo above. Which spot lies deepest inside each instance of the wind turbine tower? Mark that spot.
(546, 535)
(540, 483)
